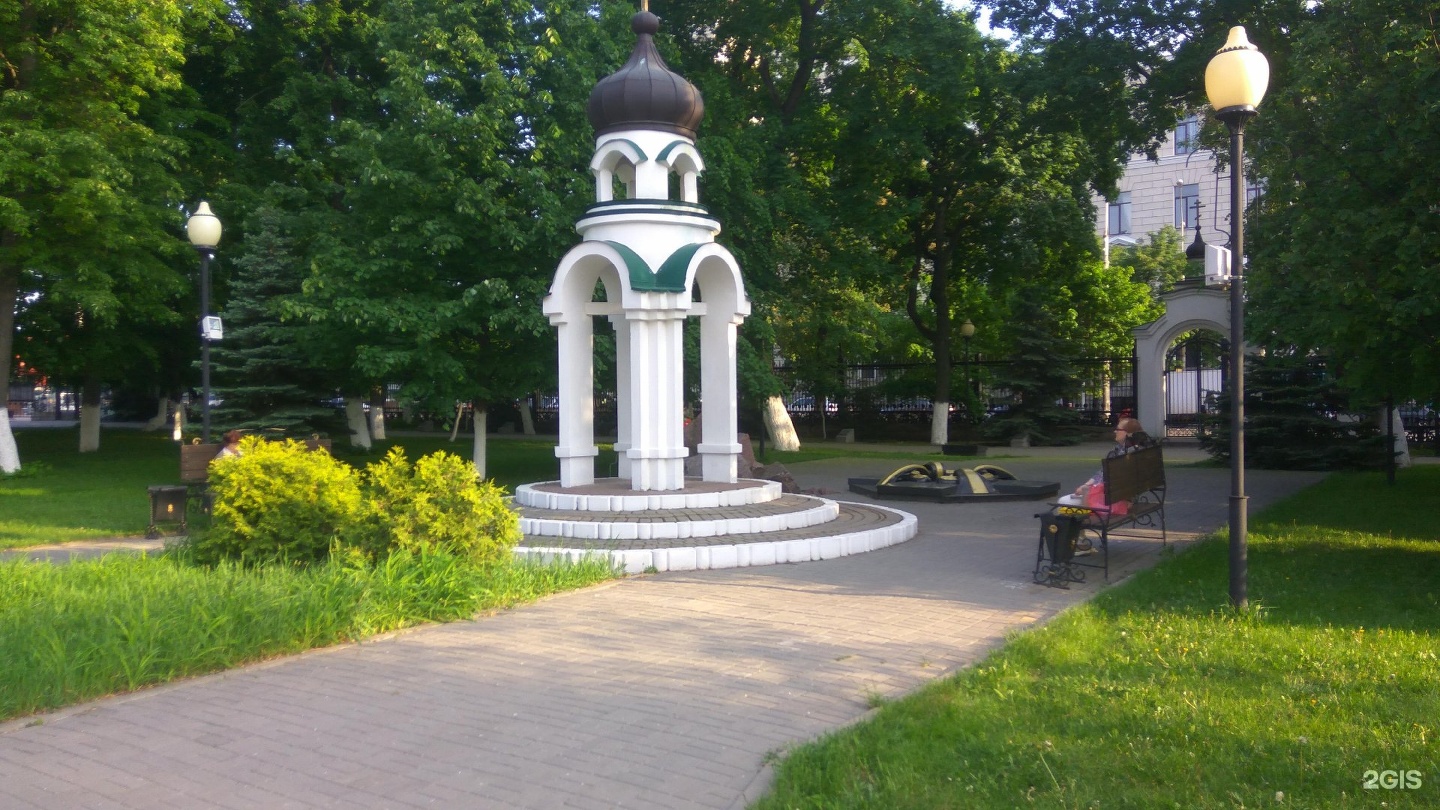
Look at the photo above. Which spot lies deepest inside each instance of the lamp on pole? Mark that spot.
(1235, 82)
(203, 229)
(967, 331)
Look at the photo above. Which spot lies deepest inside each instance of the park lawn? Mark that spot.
(1156, 694)
(62, 494)
(89, 628)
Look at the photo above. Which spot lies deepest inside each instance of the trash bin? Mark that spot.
(167, 505)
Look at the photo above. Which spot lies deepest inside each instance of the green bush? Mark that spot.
(279, 501)
(439, 503)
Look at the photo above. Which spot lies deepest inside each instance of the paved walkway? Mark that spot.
(664, 691)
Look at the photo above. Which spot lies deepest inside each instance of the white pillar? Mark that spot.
(576, 449)
(657, 442)
(719, 400)
(623, 429)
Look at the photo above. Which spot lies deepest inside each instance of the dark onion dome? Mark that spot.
(644, 94)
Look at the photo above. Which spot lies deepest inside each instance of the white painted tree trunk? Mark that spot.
(1402, 447)
(355, 417)
(89, 428)
(178, 432)
(162, 415)
(478, 445)
(9, 453)
(527, 418)
(780, 427)
(940, 423)
(377, 422)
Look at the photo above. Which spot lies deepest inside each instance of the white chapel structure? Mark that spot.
(650, 245)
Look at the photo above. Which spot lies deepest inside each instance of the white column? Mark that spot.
(576, 449)
(623, 428)
(657, 442)
(719, 447)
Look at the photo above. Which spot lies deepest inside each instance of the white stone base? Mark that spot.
(743, 555)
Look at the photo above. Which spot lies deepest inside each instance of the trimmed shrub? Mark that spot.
(439, 503)
(279, 501)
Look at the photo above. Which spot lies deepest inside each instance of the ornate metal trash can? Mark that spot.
(167, 505)
(1058, 535)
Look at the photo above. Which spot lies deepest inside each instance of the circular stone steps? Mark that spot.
(705, 526)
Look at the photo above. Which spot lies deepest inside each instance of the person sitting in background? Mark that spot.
(231, 448)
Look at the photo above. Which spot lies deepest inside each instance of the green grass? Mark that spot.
(73, 632)
(62, 494)
(1156, 694)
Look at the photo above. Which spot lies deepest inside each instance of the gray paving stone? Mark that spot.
(655, 692)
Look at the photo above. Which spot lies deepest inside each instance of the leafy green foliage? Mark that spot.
(1298, 417)
(279, 501)
(436, 503)
(1157, 263)
(1042, 373)
(1345, 248)
(264, 371)
(88, 185)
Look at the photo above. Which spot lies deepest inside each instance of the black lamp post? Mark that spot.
(1235, 82)
(204, 230)
(967, 331)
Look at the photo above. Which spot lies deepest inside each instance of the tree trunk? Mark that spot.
(359, 428)
(178, 433)
(940, 294)
(90, 414)
(478, 445)
(779, 427)
(377, 415)
(527, 416)
(9, 288)
(162, 415)
(9, 453)
(1397, 424)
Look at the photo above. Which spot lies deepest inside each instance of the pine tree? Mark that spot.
(1041, 375)
(1297, 417)
(262, 371)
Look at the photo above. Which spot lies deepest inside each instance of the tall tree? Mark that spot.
(86, 187)
(1345, 249)
(263, 374)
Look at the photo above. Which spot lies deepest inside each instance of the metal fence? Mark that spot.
(901, 392)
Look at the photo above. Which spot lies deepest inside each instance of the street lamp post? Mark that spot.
(1235, 82)
(203, 229)
(967, 331)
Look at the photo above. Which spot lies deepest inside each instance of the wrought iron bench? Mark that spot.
(1134, 498)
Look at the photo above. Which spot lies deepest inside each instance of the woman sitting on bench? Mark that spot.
(1129, 437)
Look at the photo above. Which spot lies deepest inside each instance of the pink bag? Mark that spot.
(1095, 499)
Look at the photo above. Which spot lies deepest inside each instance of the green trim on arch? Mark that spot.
(633, 145)
(665, 153)
(641, 277)
(671, 277)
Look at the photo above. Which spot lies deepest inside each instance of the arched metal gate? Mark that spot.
(1196, 367)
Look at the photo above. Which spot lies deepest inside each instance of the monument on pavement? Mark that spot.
(650, 245)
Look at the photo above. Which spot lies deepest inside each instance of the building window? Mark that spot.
(1187, 206)
(1187, 136)
(1252, 193)
(1120, 214)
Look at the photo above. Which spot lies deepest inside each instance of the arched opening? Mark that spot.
(1196, 367)
(1189, 311)
(614, 169)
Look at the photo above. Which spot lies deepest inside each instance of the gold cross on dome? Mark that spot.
(644, 5)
